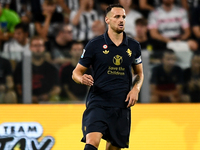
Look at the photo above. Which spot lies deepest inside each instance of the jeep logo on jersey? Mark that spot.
(117, 60)
(24, 136)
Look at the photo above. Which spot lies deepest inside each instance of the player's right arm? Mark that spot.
(79, 77)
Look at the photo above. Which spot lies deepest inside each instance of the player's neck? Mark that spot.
(116, 38)
(167, 7)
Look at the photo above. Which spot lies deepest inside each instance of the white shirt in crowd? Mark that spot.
(13, 50)
(168, 23)
(131, 17)
(83, 30)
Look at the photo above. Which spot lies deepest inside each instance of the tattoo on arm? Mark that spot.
(137, 80)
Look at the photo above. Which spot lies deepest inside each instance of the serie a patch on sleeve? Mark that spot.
(83, 53)
(138, 60)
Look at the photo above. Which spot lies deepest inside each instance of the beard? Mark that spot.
(119, 31)
(37, 56)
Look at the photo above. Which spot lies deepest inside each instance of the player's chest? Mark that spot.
(115, 56)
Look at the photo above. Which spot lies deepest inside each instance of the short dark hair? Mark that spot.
(59, 28)
(108, 9)
(50, 2)
(76, 42)
(23, 26)
(36, 38)
(141, 21)
(168, 51)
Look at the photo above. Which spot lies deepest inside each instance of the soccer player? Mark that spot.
(108, 103)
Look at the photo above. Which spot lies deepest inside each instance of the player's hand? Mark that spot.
(87, 80)
(132, 97)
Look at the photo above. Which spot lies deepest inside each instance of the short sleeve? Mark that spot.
(184, 18)
(87, 55)
(72, 15)
(138, 58)
(152, 21)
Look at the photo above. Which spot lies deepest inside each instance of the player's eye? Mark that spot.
(117, 16)
(124, 17)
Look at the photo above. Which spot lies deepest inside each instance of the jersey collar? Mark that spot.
(109, 41)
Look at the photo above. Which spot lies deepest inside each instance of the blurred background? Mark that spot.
(41, 42)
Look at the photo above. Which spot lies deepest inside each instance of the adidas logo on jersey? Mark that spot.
(106, 52)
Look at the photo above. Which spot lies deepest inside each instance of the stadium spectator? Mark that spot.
(82, 20)
(72, 90)
(170, 23)
(14, 5)
(13, 49)
(166, 80)
(65, 9)
(7, 94)
(59, 46)
(192, 80)
(143, 37)
(146, 6)
(98, 28)
(8, 20)
(193, 4)
(195, 22)
(45, 78)
(45, 21)
(72, 4)
(141, 34)
(105, 3)
(131, 16)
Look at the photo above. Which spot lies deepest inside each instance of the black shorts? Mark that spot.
(113, 123)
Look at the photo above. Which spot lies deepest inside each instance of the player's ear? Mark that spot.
(106, 20)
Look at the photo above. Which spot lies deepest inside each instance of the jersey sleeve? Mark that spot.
(87, 55)
(184, 19)
(152, 20)
(138, 58)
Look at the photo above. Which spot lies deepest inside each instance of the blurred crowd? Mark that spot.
(56, 31)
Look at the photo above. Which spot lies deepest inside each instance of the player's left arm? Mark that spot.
(132, 96)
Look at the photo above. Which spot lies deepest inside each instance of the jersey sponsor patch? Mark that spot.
(83, 53)
(138, 60)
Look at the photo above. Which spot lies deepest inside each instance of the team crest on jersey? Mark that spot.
(117, 60)
(106, 51)
(105, 46)
(129, 52)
